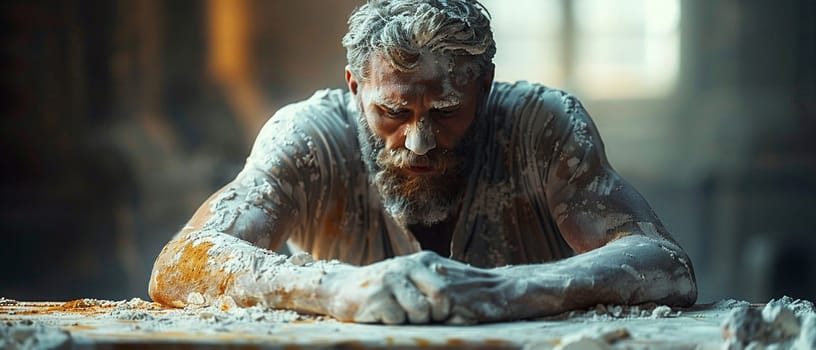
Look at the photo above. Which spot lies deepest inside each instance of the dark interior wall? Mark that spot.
(55, 175)
(298, 54)
(755, 90)
(115, 130)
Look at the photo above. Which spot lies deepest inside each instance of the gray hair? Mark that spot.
(402, 29)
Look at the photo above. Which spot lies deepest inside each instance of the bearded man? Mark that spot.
(427, 192)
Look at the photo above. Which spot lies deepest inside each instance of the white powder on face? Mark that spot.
(431, 67)
(419, 137)
(450, 95)
(446, 102)
(379, 98)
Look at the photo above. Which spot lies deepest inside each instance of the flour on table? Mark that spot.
(610, 312)
(4, 301)
(221, 315)
(728, 304)
(782, 324)
(27, 334)
(600, 338)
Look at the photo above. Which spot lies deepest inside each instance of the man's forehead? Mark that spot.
(383, 98)
(429, 66)
(395, 99)
(436, 74)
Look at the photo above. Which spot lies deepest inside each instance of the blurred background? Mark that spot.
(122, 116)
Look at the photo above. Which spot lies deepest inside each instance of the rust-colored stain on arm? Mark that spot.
(174, 279)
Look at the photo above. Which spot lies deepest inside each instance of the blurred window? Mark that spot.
(602, 49)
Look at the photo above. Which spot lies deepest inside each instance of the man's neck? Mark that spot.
(436, 237)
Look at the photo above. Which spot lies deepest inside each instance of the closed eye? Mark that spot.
(445, 112)
(394, 113)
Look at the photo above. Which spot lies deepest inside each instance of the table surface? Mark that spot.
(93, 323)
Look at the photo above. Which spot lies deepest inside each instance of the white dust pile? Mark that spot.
(610, 312)
(45, 332)
(782, 324)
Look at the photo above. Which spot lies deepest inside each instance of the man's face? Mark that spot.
(418, 125)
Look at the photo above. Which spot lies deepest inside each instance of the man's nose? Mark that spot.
(419, 138)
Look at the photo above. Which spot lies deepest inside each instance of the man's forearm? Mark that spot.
(631, 270)
(208, 265)
(294, 283)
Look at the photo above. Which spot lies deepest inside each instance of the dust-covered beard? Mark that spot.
(420, 199)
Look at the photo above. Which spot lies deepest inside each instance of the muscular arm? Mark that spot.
(225, 250)
(209, 265)
(630, 270)
(625, 255)
(201, 263)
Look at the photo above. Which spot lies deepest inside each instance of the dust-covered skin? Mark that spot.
(537, 222)
(540, 192)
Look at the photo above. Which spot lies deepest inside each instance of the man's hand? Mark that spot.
(418, 288)
(476, 295)
(391, 291)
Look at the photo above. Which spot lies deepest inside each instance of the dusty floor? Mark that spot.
(92, 323)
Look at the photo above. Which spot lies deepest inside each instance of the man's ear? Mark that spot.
(351, 81)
